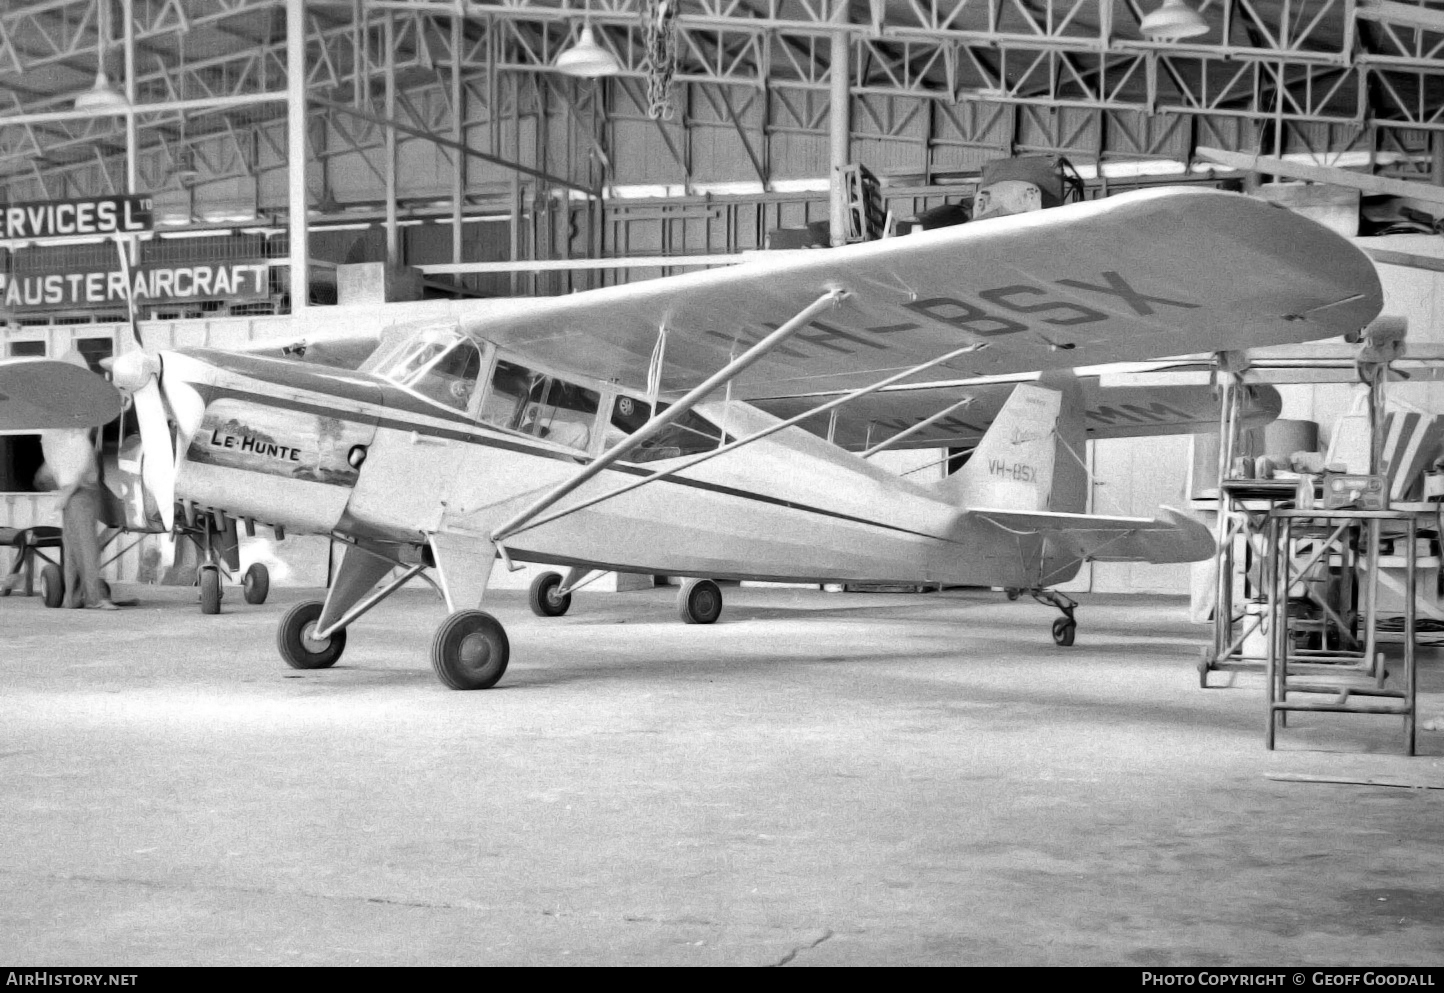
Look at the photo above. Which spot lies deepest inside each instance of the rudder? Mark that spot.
(1028, 458)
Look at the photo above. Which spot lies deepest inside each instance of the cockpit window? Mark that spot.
(511, 387)
(534, 403)
(689, 434)
(440, 364)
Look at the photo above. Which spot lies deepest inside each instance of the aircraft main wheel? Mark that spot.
(470, 650)
(296, 644)
(543, 596)
(52, 586)
(210, 580)
(256, 583)
(1063, 631)
(1012, 593)
(699, 601)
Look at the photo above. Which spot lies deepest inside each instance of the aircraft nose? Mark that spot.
(133, 369)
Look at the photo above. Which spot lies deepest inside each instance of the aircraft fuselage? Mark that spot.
(326, 451)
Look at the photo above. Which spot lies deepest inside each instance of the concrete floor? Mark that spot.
(816, 780)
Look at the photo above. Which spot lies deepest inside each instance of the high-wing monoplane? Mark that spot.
(624, 428)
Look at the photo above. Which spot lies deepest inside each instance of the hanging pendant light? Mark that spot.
(102, 99)
(588, 59)
(1173, 20)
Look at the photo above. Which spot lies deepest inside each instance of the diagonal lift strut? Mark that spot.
(755, 436)
(661, 419)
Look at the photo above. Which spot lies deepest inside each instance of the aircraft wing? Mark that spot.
(1146, 274)
(44, 394)
(348, 350)
(1172, 537)
(1109, 411)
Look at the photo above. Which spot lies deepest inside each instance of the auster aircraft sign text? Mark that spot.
(151, 284)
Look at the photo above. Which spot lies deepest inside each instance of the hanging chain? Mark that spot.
(659, 23)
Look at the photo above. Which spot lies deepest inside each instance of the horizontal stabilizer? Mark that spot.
(1171, 537)
(45, 394)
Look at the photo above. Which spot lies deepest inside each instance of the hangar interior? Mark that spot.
(310, 173)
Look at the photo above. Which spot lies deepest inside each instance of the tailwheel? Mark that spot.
(699, 601)
(210, 583)
(1065, 627)
(52, 586)
(470, 650)
(543, 596)
(296, 641)
(256, 583)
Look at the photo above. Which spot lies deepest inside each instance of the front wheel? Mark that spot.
(256, 583)
(1063, 631)
(52, 586)
(470, 650)
(296, 641)
(699, 601)
(543, 596)
(210, 580)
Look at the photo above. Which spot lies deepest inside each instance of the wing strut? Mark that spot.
(925, 422)
(377, 594)
(724, 375)
(755, 436)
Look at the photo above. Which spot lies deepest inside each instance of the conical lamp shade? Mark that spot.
(1175, 19)
(102, 98)
(587, 58)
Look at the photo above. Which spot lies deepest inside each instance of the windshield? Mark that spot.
(441, 364)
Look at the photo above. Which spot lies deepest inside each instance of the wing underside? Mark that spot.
(46, 394)
(1147, 274)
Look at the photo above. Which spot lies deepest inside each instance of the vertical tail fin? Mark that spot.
(1029, 457)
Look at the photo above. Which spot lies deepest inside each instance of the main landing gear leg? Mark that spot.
(1065, 627)
(312, 635)
(470, 650)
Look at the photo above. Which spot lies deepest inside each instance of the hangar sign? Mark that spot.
(237, 281)
(70, 218)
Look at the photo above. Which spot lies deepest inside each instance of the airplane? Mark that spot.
(127, 510)
(621, 428)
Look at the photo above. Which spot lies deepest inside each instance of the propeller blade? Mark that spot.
(129, 285)
(157, 468)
